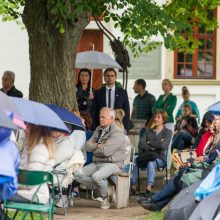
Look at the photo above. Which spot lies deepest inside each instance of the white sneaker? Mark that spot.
(105, 204)
(112, 193)
(100, 199)
(63, 202)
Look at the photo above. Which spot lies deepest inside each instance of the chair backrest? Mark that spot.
(32, 178)
(169, 153)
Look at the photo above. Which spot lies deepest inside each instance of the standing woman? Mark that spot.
(167, 101)
(38, 154)
(186, 100)
(84, 93)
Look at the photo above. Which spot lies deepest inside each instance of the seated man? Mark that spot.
(108, 147)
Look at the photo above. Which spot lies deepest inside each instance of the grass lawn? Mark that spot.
(154, 216)
(150, 216)
(20, 215)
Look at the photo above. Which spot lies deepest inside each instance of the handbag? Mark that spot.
(181, 157)
(146, 157)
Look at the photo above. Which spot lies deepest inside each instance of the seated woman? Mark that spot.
(67, 161)
(182, 119)
(162, 198)
(205, 126)
(186, 100)
(38, 154)
(206, 140)
(78, 137)
(188, 130)
(152, 148)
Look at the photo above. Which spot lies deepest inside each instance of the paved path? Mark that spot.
(86, 209)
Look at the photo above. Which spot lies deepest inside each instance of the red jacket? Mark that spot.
(202, 143)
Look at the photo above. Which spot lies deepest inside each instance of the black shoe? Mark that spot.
(144, 198)
(148, 193)
(151, 206)
(140, 199)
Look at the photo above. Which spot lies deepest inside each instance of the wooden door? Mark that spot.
(88, 39)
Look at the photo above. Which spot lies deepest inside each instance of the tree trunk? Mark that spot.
(52, 55)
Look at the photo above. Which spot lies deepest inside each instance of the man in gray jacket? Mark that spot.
(108, 147)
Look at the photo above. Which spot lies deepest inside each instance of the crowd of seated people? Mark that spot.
(103, 151)
(157, 201)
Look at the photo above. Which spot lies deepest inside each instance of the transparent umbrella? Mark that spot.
(95, 60)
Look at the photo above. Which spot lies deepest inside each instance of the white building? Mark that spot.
(153, 67)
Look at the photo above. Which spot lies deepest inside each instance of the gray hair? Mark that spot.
(10, 74)
(110, 111)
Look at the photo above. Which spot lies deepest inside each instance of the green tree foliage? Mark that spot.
(138, 20)
(55, 26)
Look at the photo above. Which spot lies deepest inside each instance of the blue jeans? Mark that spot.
(163, 197)
(151, 166)
(182, 140)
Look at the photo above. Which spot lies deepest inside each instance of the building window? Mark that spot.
(202, 63)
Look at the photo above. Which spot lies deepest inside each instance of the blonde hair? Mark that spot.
(217, 136)
(169, 83)
(36, 133)
(119, 115)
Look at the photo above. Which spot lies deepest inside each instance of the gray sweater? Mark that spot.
(112, 149)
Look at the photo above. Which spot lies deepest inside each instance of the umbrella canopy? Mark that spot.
(183, 204)
(39, 114)
(95, 60)
(7, 105)
(67, 116)
(207, 208)
(215, 108)
(5, 121)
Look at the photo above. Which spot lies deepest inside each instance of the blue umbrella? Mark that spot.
(5, 121)
(67, 116)
(39, 114)
(215, 108)
(6, 105)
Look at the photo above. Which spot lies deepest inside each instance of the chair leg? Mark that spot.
(14, 216)
(24, 215)
(32, 217)
(41, 216)
(166, 175)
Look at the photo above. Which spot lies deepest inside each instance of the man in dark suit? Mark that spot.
(110, 96)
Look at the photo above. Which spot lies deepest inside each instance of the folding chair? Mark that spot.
(58, 185)
(33, 178)
(170, 126)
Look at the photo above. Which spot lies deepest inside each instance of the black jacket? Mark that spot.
(121, 102)
(14, 92)
(84, 103)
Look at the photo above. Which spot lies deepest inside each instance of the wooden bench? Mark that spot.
(122, 188)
